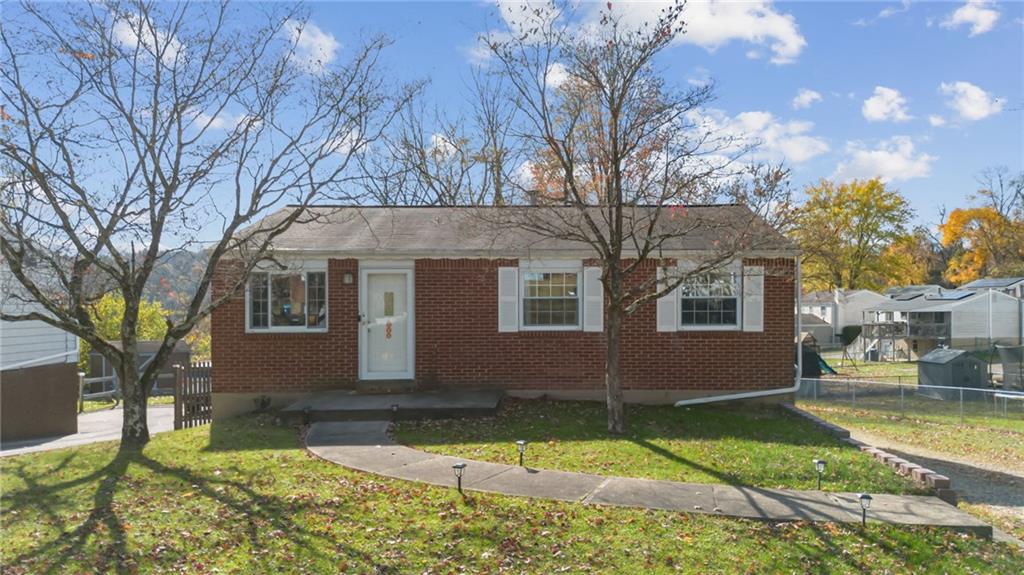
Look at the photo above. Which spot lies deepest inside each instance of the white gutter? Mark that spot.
(39, 359)
(764, 392)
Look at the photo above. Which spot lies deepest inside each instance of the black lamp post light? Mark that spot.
(819, 466)
(865, 504)
(521, 448)
(459, 469)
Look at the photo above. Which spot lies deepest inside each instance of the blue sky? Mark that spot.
(924, 94)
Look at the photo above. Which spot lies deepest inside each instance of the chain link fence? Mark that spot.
(896, 399)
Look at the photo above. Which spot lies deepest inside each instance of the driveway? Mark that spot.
(102, 425)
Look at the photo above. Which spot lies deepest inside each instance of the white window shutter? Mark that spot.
(593, 300)
(508, 299)
(667, 307)
(753, 298)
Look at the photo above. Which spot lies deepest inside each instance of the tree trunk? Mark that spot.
(134, 427)
(612, 375)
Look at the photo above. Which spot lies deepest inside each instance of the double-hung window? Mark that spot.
(710, 301)
(551, 299)
(287, 301)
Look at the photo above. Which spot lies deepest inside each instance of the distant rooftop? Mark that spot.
(903, 293)
(992, 283)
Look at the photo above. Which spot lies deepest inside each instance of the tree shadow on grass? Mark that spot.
(537, 419)
(102, 537)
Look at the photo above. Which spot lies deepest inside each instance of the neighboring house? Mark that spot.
(38, 372)
(811, 324)
(164, 384)
(431, 297)
(839, 308)
(821, 304)
(910, 328)
(1008, 286)
(911, 292)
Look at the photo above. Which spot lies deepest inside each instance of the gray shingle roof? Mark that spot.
(817, 298)
(994, 283)
(453, 231)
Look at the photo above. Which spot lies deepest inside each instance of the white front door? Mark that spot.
(386, 329)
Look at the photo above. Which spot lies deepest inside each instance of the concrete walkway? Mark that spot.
(95, 426)
(366, 446)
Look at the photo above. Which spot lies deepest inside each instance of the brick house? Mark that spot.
(427, 296)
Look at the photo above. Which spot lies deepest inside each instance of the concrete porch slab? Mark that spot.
(353, 406)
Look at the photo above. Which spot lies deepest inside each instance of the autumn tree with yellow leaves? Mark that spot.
(988, 238)
(854, 235)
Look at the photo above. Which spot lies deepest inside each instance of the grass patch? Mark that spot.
(888, 371)
(934, 425)
(243, 498)
(755, 446)
(100, 404)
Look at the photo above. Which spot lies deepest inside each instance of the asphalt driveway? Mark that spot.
(102, 425)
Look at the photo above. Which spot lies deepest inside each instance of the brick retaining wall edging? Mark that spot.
(938, 483)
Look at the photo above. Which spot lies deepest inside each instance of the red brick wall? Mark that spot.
(287, 362)
(458, 343)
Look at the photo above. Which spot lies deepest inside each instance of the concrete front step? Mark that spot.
(353, 406)
(386, 385)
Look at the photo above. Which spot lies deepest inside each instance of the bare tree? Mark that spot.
(626, 154)
(134, 130)
(1002, 191)
(431, 159)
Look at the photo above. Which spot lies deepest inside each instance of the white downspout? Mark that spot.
(764, 392)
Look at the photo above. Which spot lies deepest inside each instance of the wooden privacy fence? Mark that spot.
(192, 388)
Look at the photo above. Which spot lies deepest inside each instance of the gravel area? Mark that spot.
(999, 491)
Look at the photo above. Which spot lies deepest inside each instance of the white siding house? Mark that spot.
(840, 308)
(38, 381)
(29, 343)
(957, 319)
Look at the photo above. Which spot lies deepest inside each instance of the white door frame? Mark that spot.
(410, 353)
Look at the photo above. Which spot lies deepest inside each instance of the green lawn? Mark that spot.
(244, 498)
(935, 425)
(98, 404)
(756, 446)
(900, 371)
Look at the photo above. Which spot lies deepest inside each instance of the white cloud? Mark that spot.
(524, 15)
(804, 98)
(893, 10)
(556, 75)
(969, 101)
(351, 142)
(701, 77)
(892, 159)
(441, 146)
(480, 53)
(522, 176)
(222, 121)
(980, 15)
(936, 121)
(128, 31)
(776, 140)
(886, 104)
(314, 48)
(887, 12)
(711, 24)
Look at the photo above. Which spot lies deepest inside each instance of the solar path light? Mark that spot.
(865, 504)
(521, 448)
(819, 466)
(459, 469)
